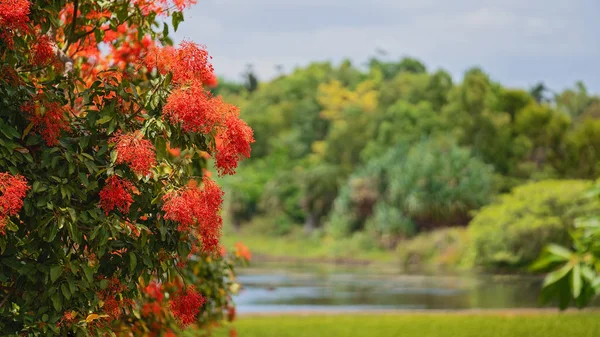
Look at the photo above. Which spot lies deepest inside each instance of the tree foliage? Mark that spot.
(104, 189)
(513, 230)
(349, 119)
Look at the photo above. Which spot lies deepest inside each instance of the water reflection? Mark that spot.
(279, 288)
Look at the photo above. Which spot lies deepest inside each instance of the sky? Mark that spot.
(517, 42)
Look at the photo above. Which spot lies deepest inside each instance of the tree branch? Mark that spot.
(74, 23)
(61, 55)
(6, 298)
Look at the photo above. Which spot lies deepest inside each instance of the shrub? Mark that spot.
(512, 231)
(441, 248)
(434, 183)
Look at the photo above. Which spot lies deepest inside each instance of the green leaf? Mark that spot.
(8, 130)
(72, 214)
(177, 19)
(83, 178)
(576, 283)
(56, 301)
(557, 275)
(103, 284)
(559, 251)
(64, 288)
(55, 273)
(588, 273)
(132, 261)
(89, 273)
(113, 157)
(104, 120)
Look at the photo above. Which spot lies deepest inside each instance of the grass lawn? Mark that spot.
(421, 325)
(297, 246)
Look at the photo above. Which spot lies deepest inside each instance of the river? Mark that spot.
(269, 288)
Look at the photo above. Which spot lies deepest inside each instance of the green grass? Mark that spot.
(421, 325)
(299, 246)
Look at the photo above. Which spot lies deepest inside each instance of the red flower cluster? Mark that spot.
(48, 119)
(43, 53)
(186, 305)
(233, 141)
(162, 6)
(188, 62)
(196, 111)
(116, 194)
(135, 151)
(154, 290)
(111, 306)
(194, 206)
(193, 108)
(151, 309)
(14, 15)
(66, 319)
(13, 189)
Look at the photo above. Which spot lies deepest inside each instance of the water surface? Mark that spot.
(301, 288)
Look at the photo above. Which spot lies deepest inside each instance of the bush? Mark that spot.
(437, 183)
(434, 183)
(440, 248)
(512, 231)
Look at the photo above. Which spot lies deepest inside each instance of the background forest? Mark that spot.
(395, 157)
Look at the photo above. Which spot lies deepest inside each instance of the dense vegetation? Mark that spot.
(109, 220)
(392, 151)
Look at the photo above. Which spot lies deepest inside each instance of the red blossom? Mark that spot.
(10, 76)
(13, 189)
(48, 119)
(232, 143)
(195, 208)
(231, 313)
(14, 14)
(188, 62)
(116, 194)
(151, 309)
(112, 307)
(43, 53)
(212, 81)
(68, 317)
(161, 7)
(186, 305)
(135, 151)
(193, 108)
(154, 290)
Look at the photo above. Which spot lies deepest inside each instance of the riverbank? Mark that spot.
(293, 248)
(440, 250)
(504, 323)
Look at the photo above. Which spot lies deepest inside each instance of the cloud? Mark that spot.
(517, 42)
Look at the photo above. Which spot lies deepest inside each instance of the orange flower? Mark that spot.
(242, 251)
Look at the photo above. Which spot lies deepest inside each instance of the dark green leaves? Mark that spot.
(55, 272)
(177, 19)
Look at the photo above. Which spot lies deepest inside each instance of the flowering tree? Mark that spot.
(105, 198)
